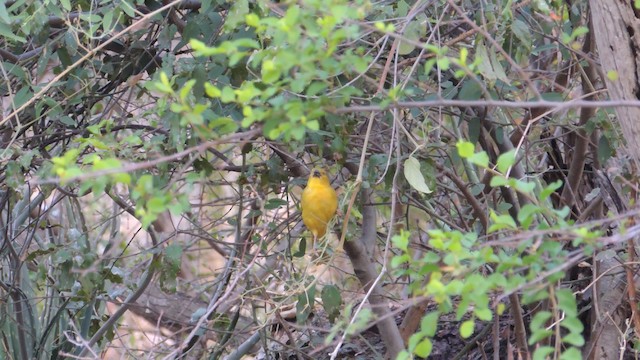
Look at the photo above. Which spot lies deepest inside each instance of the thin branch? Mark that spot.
(131, 299)
(152, 163)
(554, 106)
(90, 54)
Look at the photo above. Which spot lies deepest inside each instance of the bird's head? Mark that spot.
(318, 174)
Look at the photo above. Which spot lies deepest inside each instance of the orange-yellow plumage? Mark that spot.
(319, 203)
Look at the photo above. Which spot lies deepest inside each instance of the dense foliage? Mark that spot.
(153, 155)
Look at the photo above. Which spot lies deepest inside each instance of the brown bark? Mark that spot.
(366, 272)
(617, 33)
(616, 28)
(412, 320)
(607, 315)
(579, 151)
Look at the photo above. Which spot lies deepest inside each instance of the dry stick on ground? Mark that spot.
(366, 272)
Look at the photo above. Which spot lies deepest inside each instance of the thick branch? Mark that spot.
(617, 35)
(579, 153)
(366, 272)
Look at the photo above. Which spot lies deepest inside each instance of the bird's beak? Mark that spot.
(316, 173)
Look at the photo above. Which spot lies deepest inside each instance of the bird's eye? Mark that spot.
(316, 173)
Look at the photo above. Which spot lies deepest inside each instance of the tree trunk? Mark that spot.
(616, 28)
(617, 33)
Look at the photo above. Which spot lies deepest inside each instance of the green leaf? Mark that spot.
(316, 88)
(122, 178)
(274, 204)
(414, 176)
(401, 241)
(107, 21)
(306, 300)
(538, 326)
(212, 91)
(571, 354)
(465, 149)
(22, 96)
(523, 186)
(498, 68)
(237, 13)
(475, 128)
(270, 72)
(573, 338)
(428, 66)
(228, 95)
(331, 301)
(423, 349)
(164, 86)
(522, 31)
(506, 160)
(186, 89)
(605, 151)
(429, 324)
(171, 262)
(399, 260)
(467, 328)
(414, 340)
(573, 324)
(550, 189)
(539, 335)
(471, 90)
(66, 4)
(157, 203)
(252, 20)
(498, 180)
(362, 322)
(526, 214)
(223, 125)
(414, 31)
(489, 66)
(8, 34)
(501, 222)
(543, 352)
(173, 255)
(404, 355)
(483, 314)
(553, 96)
(563, 213)
(567, 302)
(4, 14)
(481, 159)
(247, 92)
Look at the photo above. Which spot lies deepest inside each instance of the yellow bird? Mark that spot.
(319, 203)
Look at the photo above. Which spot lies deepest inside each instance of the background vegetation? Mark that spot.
(153, 154)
